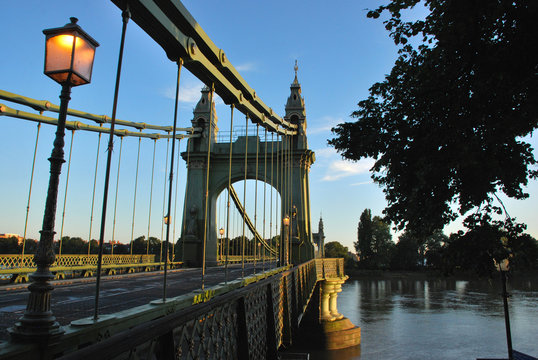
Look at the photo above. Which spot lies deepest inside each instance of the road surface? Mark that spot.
(73, 299)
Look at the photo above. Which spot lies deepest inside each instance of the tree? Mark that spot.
(73, 245)
(524, 251)
(334, 249)
(433, 248)
(406, 254)
(446, 125)
(374, 243)
(382, 244)
(9, 246)
(363, 246)
(140, 245)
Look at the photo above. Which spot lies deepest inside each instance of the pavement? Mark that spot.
(73, 299)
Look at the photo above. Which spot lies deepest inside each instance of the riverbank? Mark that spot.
(431, 274)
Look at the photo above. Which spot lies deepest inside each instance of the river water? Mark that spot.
(404, 318)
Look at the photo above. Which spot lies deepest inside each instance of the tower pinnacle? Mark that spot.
(295, 81)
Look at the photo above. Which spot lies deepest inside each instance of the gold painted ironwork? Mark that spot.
(251, 319)
(9, 263)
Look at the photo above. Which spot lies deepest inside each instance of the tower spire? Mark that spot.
(295, 81)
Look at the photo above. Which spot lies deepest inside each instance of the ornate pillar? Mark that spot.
(338, 331)
(325, 313)
(336, 288)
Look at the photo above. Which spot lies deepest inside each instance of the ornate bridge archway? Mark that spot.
(294, 191)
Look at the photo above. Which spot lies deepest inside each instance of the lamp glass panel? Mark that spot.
(59, 49)
(83, 61)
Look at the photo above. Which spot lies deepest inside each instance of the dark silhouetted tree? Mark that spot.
(446, 126)
(363, 245)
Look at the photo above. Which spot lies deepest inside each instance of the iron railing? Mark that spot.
(224, 322)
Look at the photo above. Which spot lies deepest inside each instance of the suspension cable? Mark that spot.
(179, 64)
(125, 18)
(116, 197)
(174, 239)
(209, 138)
(303, 204)
(134, 196)
(65, 193)
(244, 202)
(290, 175)
(29, 195)
(256, 195)
(185, 200)
(164, 200)
(285, 197)
(150, 192)
(228, 202)
(271, 202)
(264, 192)
(93, 191)
(278, 220)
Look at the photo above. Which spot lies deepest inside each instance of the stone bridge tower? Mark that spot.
(192, 231)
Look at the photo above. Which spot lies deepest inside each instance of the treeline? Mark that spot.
(77, 245)
(477, 250)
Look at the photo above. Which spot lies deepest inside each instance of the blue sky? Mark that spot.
(340, 53)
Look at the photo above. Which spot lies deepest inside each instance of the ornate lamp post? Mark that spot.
(503, 268)
(285, 250)
(221, 252)
(69, 54)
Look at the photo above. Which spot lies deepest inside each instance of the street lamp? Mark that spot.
(503, 268)
(69, 54)
(286, 222)
(221, 232)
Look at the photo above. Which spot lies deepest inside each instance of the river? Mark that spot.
(404, 317)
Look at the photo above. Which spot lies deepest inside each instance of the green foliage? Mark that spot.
(374, 245)
(446, 124)
(9, 246)
(524, 252)
(334, 249)
(140, 245)
(406, 253)
(363, 246)
(485, 244)
(30, 246)
(72, 245)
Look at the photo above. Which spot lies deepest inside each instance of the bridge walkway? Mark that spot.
(74, 299)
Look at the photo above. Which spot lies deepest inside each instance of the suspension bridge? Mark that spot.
(237, 261)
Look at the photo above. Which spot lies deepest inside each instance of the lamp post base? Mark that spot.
(38, 323)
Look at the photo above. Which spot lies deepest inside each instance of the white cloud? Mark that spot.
(189, 93)
(325, 124)
(342, 168)
(362, 183)
(325, 153)
(337, 168)
(246, 67)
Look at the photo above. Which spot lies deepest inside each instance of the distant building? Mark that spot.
(17, 236)
(319, 240)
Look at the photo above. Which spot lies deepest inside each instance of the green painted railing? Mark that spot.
(247, 318)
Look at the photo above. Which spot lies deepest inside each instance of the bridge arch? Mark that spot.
(298, 159)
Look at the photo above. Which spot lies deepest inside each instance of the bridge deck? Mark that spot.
(74, 299)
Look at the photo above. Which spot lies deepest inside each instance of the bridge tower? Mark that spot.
(194, 225)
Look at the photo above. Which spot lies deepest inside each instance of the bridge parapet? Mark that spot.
(227, 321)
(329, 268)
(27, 261)
(17, 267)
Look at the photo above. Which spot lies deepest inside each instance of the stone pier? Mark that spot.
(339, 332)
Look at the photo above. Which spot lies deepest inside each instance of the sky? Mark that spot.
(340, 54)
